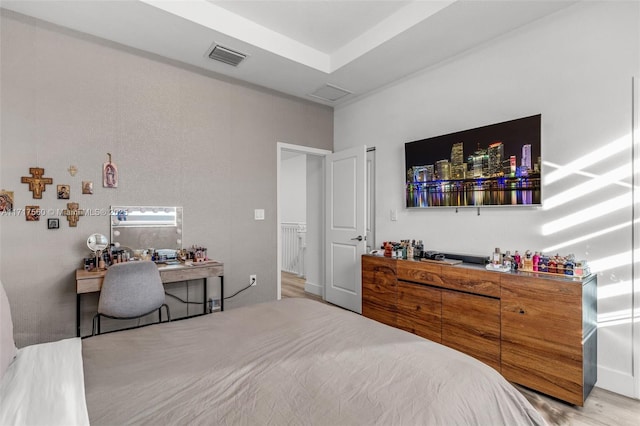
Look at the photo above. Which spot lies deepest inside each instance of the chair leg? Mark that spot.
(168, 313)
(96, 324)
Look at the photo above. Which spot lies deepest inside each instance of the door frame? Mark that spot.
(280, 147)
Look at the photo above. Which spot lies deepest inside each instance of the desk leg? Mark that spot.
(221, 293)
(78, 315)
(206, 302)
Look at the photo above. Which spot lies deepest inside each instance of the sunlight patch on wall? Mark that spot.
(590, 236)
(621, 317)
(622, 288)
(588, 214)
(613, 177)
(584, 173)
(589, 159)
(613, 261)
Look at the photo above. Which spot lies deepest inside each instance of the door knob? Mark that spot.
(359, 238)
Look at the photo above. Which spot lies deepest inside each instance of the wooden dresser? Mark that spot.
(537, 331)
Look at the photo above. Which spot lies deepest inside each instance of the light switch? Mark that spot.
(258, 214)
(394, 214)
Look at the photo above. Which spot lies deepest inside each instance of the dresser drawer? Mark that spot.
(471, 324)
(469, 280)
(420, 310)
(379, 289)
(420, 272)
(89, 285)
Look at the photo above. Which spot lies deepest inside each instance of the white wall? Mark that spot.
(293, 186)
(573, 67)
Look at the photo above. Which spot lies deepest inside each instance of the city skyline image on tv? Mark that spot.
(494, 165)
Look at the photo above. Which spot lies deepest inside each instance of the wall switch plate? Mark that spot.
(258, 214)
(253, 280)
(394, 214)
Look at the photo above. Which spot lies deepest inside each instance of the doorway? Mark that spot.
(304, 222)
(310, 233)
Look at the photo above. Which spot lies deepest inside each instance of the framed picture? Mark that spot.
(63, 192)
(6, 201)
(53, 223)
(32, 213)
(109, 175)
(87, 187)
(498, 164)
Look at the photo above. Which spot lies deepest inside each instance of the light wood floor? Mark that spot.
(602, 408)
(293, 286)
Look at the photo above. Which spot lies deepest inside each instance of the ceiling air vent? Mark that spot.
(330, 93)
(226, 55)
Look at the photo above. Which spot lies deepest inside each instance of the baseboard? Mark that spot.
(616, 381)
(313, 288)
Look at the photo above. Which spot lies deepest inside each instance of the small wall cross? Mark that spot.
(73, 213)
(36, 181)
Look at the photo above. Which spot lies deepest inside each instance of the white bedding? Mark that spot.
(291, 362)
(45, 386)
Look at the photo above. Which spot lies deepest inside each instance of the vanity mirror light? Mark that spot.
(139, 228)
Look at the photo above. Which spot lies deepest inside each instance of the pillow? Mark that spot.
(7, 345)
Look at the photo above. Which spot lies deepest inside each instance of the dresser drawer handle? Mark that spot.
(521, 311)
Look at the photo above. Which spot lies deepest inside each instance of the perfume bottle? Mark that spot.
(536, 260)
(410, 251)
(387, 250)
(527, 262)
(507, 261)
(496, 258)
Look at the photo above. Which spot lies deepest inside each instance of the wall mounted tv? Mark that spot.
(494, 165)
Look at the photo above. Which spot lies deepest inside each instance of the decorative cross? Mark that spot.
(73, 213)
(36, 181)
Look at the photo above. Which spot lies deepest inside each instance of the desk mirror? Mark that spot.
(144, 227)
(97, 242)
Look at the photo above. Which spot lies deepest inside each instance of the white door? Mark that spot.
(346, 227)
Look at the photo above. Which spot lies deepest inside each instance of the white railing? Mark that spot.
(294, 235)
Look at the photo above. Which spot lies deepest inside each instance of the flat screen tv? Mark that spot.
(494, 165)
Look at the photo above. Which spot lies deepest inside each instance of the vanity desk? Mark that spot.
(91, 282)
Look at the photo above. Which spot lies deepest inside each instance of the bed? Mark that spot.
(293, 361)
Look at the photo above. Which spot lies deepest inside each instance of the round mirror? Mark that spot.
(97, 242)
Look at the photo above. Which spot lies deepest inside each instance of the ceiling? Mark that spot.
(299, 46)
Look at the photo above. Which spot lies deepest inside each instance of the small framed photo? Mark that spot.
(87, 187)
(63, 192)
(109, 175)
(53, 223)
(6, 201)
(32, 213)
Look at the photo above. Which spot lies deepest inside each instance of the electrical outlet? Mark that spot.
(253, 280)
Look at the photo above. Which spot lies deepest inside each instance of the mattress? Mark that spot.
(289, 362)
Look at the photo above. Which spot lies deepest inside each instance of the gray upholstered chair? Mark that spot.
(131, 290)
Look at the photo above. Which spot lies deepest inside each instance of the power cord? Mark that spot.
(182, 300)
(253, 281)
